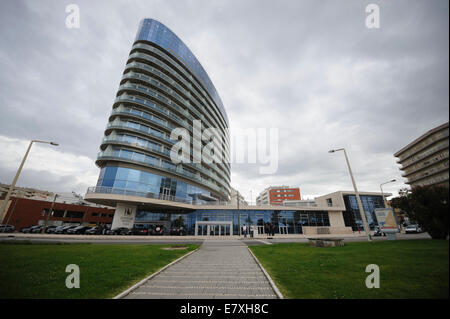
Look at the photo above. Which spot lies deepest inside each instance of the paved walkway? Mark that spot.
(219, 269)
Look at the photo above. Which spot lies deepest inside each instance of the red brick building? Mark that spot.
(275, 195)
(28, 212)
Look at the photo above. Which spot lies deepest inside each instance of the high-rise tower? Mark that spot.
(163, 87)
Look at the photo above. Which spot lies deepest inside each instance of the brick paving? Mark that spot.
(219, 269)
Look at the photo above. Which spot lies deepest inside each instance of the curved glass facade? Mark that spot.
(140, 181)
(352, 215)
(289, 221)
(163, 87)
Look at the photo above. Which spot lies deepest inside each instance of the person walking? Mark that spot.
(272, 230)
(244, 230)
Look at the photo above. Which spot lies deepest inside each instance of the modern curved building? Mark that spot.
(163, 87)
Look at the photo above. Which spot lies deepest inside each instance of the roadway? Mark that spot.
(109, 239)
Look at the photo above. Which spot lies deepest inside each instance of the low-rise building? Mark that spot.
(300, 203)
(276, 195)
(25, 212)
(235, 195)
(346, 200)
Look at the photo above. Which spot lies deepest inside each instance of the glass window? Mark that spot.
(133, 125)
(138, 157)
(137, 112)
(126, 154)
(122, 173)
(141, 142)
(110, 172)
(129, 139)
(151, 160)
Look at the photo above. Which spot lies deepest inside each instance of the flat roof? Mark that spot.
(152, 203)
(386, 194)
(422, 137)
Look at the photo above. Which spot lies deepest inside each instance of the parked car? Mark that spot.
(413, 228)
(177, 231)
(92, 231)
(139, 231)
(56, 230)
(27, 229)
(378, 232)
(30, 229)
(64, 229)
(119, 231)
(157, 230)
(36, 229)
(78, 230)
(6, 228)
(49, 229)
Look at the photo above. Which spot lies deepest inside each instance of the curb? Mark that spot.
(274, 287)
(135, 286)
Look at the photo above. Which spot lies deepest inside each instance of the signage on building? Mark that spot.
(124, 216)
(386, 220)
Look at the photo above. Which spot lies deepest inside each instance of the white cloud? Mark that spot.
(45, 161)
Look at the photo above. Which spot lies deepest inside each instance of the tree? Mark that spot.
(428, 206)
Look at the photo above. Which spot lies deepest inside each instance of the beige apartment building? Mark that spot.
(425, 160)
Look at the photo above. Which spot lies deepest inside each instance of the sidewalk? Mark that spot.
(219, 269)
(132, 237)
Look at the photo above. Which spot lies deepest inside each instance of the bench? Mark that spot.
(326, 242)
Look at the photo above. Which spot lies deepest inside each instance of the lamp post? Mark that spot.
(48, 215)
(12, 212)
(382, 194)
(13, 184)
(358, 199)
(239, 215)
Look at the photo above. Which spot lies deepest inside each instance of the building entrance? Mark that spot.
(283, 230)
(261, 230)
(165, 194)
(213, 228)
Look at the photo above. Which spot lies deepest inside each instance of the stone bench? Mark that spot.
(326, 242)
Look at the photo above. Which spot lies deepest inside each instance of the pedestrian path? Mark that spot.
(219, 269)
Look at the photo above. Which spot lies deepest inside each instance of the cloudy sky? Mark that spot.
(312, 69)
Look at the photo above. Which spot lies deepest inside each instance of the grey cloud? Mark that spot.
(270, 62)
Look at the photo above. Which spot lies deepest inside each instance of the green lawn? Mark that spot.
(38, 270)
(408, 269)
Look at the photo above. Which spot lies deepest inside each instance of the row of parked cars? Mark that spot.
(96, 230)
(72, 229)
(409, 229)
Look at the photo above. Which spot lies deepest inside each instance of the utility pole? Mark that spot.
(12, 212)
(239, 214)
(48, 215)
(382, 194)
(13, 184)
(358, 199)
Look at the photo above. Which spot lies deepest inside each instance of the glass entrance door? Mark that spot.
(165, 193)
(205, 228)
(283, 230)
(202, 230)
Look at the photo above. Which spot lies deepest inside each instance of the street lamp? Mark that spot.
(13, 184)
(382, 194)
(361, 209)
(239, 215)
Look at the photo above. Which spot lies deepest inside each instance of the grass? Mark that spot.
(38, 271)
(408, 269)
